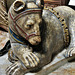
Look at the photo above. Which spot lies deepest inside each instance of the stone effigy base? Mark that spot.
(67, 69)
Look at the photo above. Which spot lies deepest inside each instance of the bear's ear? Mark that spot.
(18, 5)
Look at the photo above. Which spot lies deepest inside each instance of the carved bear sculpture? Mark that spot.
(37, 34)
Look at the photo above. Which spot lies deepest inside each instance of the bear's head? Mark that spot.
(25, 18)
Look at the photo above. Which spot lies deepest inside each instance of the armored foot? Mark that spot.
(15, 69)
(70, 52)
(20, 68)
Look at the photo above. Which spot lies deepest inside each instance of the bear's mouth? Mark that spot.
(35, 40)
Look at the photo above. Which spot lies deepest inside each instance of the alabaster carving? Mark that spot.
(37, 33)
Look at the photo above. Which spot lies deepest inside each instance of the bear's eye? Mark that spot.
(28, 26)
